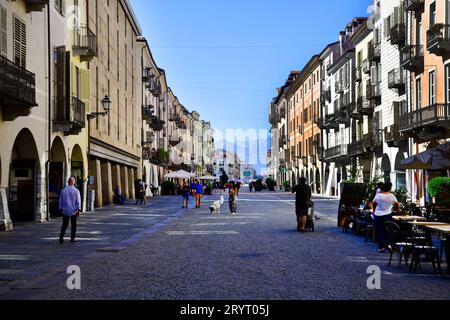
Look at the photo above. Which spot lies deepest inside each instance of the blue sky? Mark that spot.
(225, 58)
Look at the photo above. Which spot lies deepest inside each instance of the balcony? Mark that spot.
(153, 86)
(373, 91)
(366, 66)
(326, 95)
(364, 107)
(392, 136)
(85, 43)
(331, 123)
(411, 58)
(414, 5)
(356, 148)
(146, 75)
(354, 113)
(305, 161)
(398, 34)
(438, 39)
(17, 90)
(374, 52)
(373, 141)
(396, 79)
(70, 115)
(336, 152)
(35, 5)
(147, 113)
(425, 124)
(155, 123)
(158, 157)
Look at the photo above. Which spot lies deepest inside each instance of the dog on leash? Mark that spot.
(217, 205)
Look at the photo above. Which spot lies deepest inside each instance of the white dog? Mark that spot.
(217, 205)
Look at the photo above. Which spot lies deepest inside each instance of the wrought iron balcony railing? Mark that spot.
(373, 91)
(17, 86)
(85, 43)
(438, 39)
(414, 5)
(398, 34)
(364, 107)
(356, 148)
(435, 116)
(392, 136)
(411, 58)
(70, 115)
(336, 152)
(396, 79)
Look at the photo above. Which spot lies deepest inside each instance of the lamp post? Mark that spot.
(106, 104)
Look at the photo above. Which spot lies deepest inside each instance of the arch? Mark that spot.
(56, 175)
(77, 169)
(386, 167)
(24, 177)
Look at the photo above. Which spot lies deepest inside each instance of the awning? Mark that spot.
(437, 158)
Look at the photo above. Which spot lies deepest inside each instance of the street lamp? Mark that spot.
(106, 104)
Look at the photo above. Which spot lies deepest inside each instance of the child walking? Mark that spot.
(233, 198)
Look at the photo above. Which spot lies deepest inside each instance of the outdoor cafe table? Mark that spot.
(408, 218)
(445, 230)
(426, 224)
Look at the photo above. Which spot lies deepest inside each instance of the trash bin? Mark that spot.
(91, 201)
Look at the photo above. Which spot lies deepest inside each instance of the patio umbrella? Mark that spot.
(434, 159)
(208, 178)
(181, 174)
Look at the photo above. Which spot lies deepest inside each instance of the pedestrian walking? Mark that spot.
(238, 187)
(185, 192)
(232, 201)
(140, 192)
(197, 188)
(250, 186)
(302, 202)
(383, 204)
(70, 207)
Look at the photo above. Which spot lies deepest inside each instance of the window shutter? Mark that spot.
(20, 43)
(3, 32)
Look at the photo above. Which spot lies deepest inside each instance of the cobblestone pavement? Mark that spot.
(256, 254)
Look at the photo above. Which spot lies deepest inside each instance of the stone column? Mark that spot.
(131, 183)
(125, 185)
(40, 205)
(106, 181)
(97, 186)
(4, 212)
(118, 174)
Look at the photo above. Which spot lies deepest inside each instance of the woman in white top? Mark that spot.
(382, 205)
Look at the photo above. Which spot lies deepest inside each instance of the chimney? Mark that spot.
(342, 41)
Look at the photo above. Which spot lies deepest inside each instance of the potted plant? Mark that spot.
(258, 185)
(287, 186)
(439, 188)
(271, 184)
(168, 188)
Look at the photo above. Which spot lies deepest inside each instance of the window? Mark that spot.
(432, 14)
(3, 32)
(432, 88)
(418, 94)
(20, 43)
